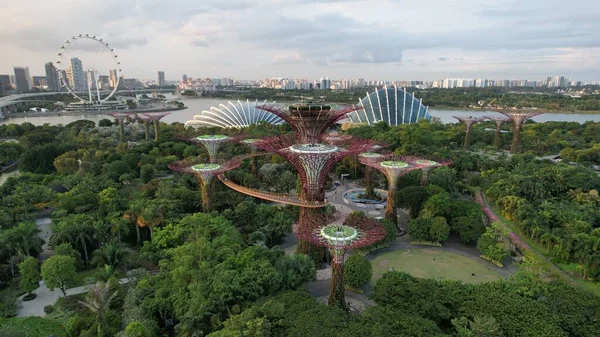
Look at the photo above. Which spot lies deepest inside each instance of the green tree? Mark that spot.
(413, 198)
(59, 272)
(439, 229)
(419, 228)
(147, 172)
(30, 275)
(112, 254)
(357, 271)
(98, 301)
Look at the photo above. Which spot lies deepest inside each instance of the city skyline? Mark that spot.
(425, 40)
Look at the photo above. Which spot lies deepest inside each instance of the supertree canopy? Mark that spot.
(468, 122)
(518, 118)
(498, 122)
(204, 173)
(392, 166)
(356, 231)
(156, 117)
(120, 117)
(212, 143)
(144, 119)
(309, 121)
(251, 143)
(427, 165)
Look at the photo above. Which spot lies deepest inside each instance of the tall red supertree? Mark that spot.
(212, 143)
(120, 117)
(393, 167)
(498, 122)
(204, 173)
(313, 161)
(144, 119)
(468, 122)
(356, 231)
(518, 118)
(156, 117)
(309, 121)
(427, 165)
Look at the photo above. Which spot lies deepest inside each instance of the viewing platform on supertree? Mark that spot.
(212, 143)
(498, 122)
(468, 122)
(204, 173)
(144, 119)
(337, 140)
(355, 231)
(427, 165)
(518, 118)
(120, 117)
(156, 117)
(309, 121)
(393, 167)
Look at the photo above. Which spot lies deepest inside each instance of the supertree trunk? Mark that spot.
(515, 142)
(424, 176)
(317, 253)
(253, 164)
(121, 131)
(467, 143)
(336, 286)
(497, 136)
(147, 130)
(391, 212)
(369, 183)
(206, 204)
(156, 129)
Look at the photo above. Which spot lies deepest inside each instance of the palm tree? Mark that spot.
(60, 234)
(98, 300)
(82, 235)
(105, 273)
(133, 213)
(112, 254)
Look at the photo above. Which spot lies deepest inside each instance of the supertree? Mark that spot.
(144, 119)
(369, 183)
(120, 117)
(212, 143)
(356, 231)
(309, 121)
(392, 166)
(204, 173)
(498, 122)
(337, 140)
(468, 122)
(518, 118)
(427, 165)
(250, 142)
(313, 163)
(156, 117)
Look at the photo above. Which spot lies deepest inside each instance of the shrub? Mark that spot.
(357, 271)
(419, 228)
(48, 309)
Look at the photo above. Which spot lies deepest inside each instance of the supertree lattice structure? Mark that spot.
(251, 143)
(392, 166)
(156, 117)
(144, 119)
(212, 143)
(120, 117)
(518, 118)
(468, 122)
(498, 122)
(205, 174)
(369, 183)
(427, 165)
(356, 231)
(309, 121)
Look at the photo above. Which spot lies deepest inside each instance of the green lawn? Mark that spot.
(420, 263)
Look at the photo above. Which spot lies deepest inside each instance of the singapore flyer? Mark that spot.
(89, 69)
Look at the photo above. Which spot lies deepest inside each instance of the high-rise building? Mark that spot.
(76, 77)
(5, 83)
(325, 83)
(113, 78)
(104, 82)
(39, 81)
(160, 80)
(184, 78)
(22, 79)
(52, 79)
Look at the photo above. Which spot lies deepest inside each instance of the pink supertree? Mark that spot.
(120, 117)
(518, 118)
(393, 167)
(355, 231)
(313, 163)
(468, 122)
(429, 164)
(309, 121)
(205, 174)
(144, 119)
(212, 143)
(156, 117)
(498, 122)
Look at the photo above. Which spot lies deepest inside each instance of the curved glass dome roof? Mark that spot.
(234, 115)
(391, 105)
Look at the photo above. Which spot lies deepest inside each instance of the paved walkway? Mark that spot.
(46, 297)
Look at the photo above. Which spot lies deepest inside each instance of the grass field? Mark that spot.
(420, 263)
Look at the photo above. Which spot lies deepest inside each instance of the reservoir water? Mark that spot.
(195, 106)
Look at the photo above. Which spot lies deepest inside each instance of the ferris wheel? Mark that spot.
(88, 68)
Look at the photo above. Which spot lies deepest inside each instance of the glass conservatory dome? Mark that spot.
(234, 115)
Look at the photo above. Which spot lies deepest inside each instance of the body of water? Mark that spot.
(195, 107)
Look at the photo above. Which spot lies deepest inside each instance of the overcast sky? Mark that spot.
(386, 40)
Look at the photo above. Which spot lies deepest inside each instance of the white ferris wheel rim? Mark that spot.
(60, 68)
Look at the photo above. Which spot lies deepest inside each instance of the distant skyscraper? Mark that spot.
(113, 78)
(39, 81)
(160, 80)
(325, 83)
(5, 83)
(104, 82)
(77, 78)
(52, 79)
(22, 79)
(184, 78)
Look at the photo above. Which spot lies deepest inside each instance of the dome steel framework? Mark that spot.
(234, 115)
